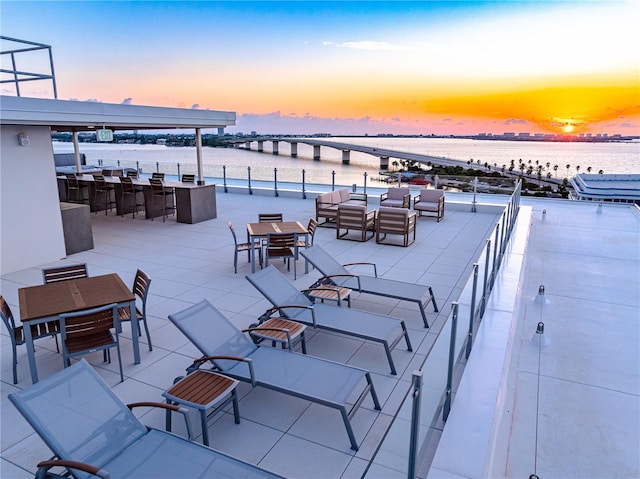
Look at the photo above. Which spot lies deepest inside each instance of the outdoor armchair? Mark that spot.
(396, 221)
(430, 202)
(396, 198)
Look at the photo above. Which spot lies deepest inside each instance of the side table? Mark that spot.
(279, 330)
(203, 390)
(331, 293)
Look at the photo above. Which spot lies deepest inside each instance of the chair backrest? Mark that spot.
(212, 333)
(326, 264)
(279, 290)
(430, 195)
(157, 175)
(156, 185)
(352, 216)
(233, 232)
(78, 416)
(269, 217)
(99, 182)
(88, 323)
(72, 180)
(127, 183)
(281, 244)
(141, 285)
(132, 174)
(397, 193)
(64, 273)
(188, 178)
(7, 317)
(311, 229)
(107, 172)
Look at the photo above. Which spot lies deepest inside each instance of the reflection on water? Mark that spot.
(609, 157)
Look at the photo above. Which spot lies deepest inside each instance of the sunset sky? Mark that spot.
(349, 67)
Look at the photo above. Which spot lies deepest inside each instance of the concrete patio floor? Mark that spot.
(594, 293)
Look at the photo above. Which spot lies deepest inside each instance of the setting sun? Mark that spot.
(568, 128)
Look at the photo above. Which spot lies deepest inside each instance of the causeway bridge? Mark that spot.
(346, 148)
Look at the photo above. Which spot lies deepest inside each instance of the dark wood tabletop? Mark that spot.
(52, 299)
(263, 229)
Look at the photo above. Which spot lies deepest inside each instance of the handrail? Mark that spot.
(448, 353)
(20, 76)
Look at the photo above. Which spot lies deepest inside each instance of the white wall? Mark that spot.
(30, 220)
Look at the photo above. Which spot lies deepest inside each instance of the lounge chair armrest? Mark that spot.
(384, 196)
(256, 332)
(375, 268)
(44, 466)
(196, 364)
(162, 405)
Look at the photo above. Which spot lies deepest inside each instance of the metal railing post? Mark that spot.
(224, 178)
(416, 386)
(365, 182)
(452, 346)
(178, 165)
(249, 178)
(304, 194)
(275, 181)
(157, 167)
(475, 186)
(333, 180)
(472, 314)
(138, 167)
(485, 280)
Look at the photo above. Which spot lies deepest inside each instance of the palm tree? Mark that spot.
(600, 172)
(568, 166)
(577, 169)
(555, 169)
(589, 169)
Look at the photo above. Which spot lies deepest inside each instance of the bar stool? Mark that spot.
(73, 185)
(104, 188)
(133, 192)
(158, 191)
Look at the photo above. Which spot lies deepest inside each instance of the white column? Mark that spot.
(199, 155)
(76, 152)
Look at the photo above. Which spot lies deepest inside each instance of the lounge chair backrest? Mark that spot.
(430, 195)
(327, 265)
(212, 333)
(335, 197)
(279, 290)
(78, 416)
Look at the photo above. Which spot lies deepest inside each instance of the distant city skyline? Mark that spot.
(460, 68)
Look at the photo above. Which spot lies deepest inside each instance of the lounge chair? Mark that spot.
(235, 355)
(295, 305)
(338, 274)
(93, 433)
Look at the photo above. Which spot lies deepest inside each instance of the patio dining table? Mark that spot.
(46, 302)
(258, 231)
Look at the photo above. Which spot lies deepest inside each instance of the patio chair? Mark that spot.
(243, 247)
(396, 221)
(355, 218)
(16, 333)
(338, 274)
(91, 432)
(430, 202)
(295, 305)
(140, 289)
(396, 198)
(164, 195)
(282, 245)
(64, 273)
(232, 353)
(88, 331)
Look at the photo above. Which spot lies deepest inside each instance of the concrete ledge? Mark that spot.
(465, 449)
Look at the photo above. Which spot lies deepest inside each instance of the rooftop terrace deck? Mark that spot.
(588, 259)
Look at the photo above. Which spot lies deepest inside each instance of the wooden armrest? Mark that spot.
(162, 405)
(294, 306)
(44, 466)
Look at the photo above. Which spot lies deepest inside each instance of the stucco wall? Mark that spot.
(30, 219)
